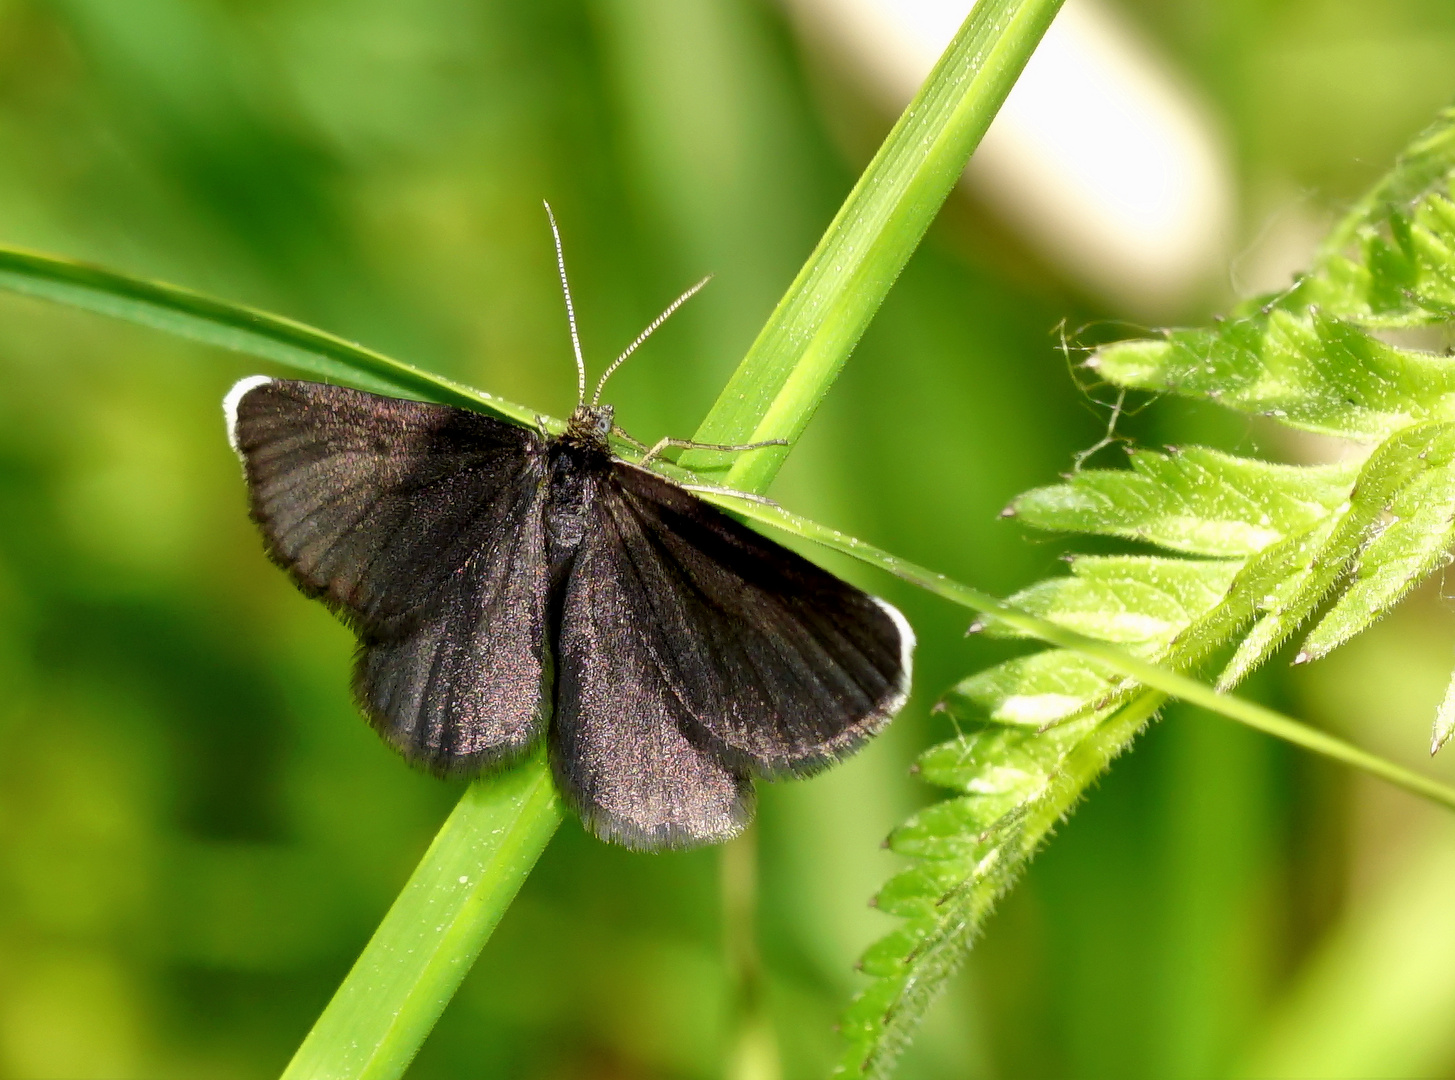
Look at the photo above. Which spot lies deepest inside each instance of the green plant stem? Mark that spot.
(960, 911)
(205, 319)
(801, 350)
(412, 966)
(808, 338)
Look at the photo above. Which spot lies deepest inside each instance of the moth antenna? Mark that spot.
(570, 309)
(658, 321)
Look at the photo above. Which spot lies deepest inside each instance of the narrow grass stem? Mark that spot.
(201, 318)
(390, 1000)
(381, 1014)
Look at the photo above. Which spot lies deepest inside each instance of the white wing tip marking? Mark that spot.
(230, 403)
(906, 658)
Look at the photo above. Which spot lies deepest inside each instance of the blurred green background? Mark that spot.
(197, 833)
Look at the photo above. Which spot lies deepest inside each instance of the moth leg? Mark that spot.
(688, 444)
(624, 437)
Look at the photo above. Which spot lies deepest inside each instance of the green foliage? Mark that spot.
(1260, 548)
(191, 315)
(1444, 719)
(197, 835)
(1196, 500)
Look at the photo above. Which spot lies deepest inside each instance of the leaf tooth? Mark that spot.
(1401, 551)
(1036, 691)
(998, 761)
(892, 954)
(917, 891)
(865, 1015)
(1444, 727)
(1306, 357)
(959, 828)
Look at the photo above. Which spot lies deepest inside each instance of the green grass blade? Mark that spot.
(803, 346)
(1444, 719)
(415, 961)
(381, 1014)
(192, 315)
(971, 851)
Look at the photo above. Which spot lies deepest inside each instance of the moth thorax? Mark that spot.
(590, 425)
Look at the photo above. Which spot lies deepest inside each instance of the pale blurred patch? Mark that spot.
(1375, 997)
(1287, 224)
(1101, 158)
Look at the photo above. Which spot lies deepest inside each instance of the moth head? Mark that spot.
(591, 424)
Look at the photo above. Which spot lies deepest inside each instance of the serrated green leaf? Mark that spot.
(892, 954)
(865, 1016)
(1430, 247)
(1403, 550)
(949, 899)
(999, 761)
(1139, 602)
(1285, 606)
(1305, 369)
(963, 828)
(1444, 719)
(1034, 690)
(1275, 540)
(1402, 461)
(1194, 500)
(1252, 590)
(1305, 356)
(916, 892)
(1388, 263)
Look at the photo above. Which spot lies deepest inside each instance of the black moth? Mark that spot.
(507, 586)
